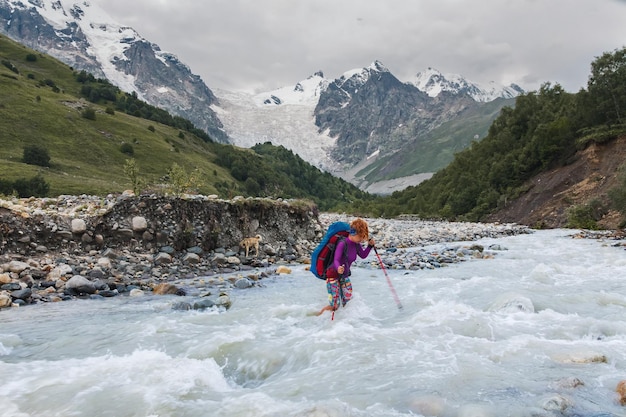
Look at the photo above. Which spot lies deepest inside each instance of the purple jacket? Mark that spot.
(353, 250)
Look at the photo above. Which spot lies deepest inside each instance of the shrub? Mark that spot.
(180, 182)
(151, 128)
(132, 173)
(127, 148)
(89, 113)
(110, 110)
(36, 155)
(31, 57)
(10, 66)
(33, 187)
(585, 216)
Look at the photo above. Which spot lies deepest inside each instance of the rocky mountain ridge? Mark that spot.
(86, 38)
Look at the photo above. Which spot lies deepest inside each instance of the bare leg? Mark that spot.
(326, 308)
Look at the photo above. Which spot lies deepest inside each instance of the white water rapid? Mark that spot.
(539, 330)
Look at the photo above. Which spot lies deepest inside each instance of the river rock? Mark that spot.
(58, 271)
(203, 304)
(23, 294)
(17, 266)
(556, 402)
(163, 258)
(78, 226)
(581, 357)
(165, 289)
(104, 262)
(243, 283)
(282, 269)
(5, 301)
(136, 292)
(224, 301)
(181, 305)
(191, 258)
(512, 303)
(139, 224)
(80, 284)
(11, 286)
(621, 391)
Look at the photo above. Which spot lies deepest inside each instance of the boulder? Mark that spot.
(136, 292)
(243, 283)
(139, 224)
(282, 269)
(18, 266)
(78, 226)
(165, 289)
(23, 294)
(5, 301)
(80, 284)
(162, 258)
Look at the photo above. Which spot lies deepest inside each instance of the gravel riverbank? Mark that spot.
(52, 276)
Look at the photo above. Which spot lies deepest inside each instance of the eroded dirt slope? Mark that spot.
(551, 194)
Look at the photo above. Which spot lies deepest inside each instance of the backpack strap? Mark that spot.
(344, 255)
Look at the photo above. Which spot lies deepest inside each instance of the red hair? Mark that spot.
(361, 228)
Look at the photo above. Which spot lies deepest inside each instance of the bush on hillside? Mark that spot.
(36, 155)
(585, 216)
(10, 66)
(24, 187)
(127, 149)
(89, 113)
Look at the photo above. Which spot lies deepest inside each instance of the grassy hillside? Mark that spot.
(39, 105)
(91, 131)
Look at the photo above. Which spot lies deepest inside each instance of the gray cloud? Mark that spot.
(265, 44)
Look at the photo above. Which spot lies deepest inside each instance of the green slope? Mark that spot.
(39, 105)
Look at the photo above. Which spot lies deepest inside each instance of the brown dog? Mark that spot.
(250, 242)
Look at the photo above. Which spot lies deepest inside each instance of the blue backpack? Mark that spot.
(324, 254)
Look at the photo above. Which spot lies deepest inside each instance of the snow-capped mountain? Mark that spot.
(85, 37)
(306, 92)
(433, 83)
(344, 125)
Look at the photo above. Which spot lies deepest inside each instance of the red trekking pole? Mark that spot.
(393, 291)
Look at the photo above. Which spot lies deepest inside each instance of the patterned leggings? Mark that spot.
(337, 292)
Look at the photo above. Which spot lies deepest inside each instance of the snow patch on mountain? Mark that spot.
(248, 120)
(433, 83)
(304, 93)
(108, 40)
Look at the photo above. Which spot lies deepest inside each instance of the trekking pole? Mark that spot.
(393, 291)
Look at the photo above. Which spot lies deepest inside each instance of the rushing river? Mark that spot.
(539, 330)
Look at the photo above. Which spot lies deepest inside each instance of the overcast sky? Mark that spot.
(259, 45)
